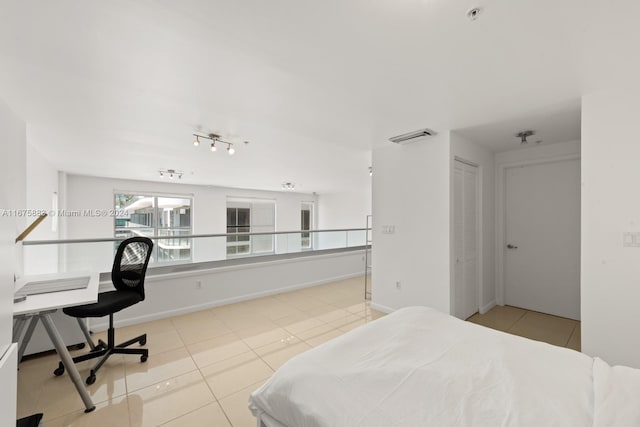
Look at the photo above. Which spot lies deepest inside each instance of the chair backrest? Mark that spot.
(130, 264)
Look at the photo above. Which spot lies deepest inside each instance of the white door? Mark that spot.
(465, 235)
(542, 247)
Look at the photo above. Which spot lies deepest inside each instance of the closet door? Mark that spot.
(465, 207)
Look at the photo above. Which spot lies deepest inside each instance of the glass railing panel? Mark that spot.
(56, 258)
(330, 240)
(356, 238)
(206, 249)
(175, 247)
(173, 250)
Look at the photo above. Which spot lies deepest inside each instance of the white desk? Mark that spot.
(41, 306)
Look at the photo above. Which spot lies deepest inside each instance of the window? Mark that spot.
(306, 216)
(250, 215)
(156, 216)
(238, 221)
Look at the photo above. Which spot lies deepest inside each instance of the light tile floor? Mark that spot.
(554, 330)
(202, 366)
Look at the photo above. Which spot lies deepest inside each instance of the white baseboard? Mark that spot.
(485, 308)
(382, 308)
(103, 325)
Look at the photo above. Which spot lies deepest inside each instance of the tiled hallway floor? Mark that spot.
(202, 366)
(554, 330)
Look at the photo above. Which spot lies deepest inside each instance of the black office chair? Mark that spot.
(127, 275)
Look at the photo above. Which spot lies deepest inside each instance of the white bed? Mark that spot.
(419, 367)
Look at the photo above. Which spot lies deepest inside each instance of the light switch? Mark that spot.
(388, 229)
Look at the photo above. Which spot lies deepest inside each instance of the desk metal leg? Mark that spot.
(27, 337)
(18, 326)
(67, 361)
(85, 331)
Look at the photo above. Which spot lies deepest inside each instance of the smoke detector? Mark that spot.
(473, 13)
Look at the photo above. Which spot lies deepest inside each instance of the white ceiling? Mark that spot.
(116, 88)
(555, 123)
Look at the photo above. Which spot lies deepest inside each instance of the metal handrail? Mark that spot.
(189, 236)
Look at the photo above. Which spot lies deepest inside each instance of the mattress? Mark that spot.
(419, 367)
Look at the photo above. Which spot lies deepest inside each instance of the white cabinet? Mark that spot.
(8, 378)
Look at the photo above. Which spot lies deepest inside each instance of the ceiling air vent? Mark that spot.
(407, 138)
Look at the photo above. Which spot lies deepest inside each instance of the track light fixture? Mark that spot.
(170, 173)
(288, 186)
(523, 135)
(215, 139)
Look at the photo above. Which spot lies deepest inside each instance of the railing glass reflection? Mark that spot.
(177, 247)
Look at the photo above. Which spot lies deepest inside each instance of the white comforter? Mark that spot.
(418, 367)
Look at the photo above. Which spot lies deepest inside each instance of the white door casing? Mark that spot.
(465, 239)
(542, 226)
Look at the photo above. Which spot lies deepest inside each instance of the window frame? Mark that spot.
(233, 241)
(250, 203)
(309, 235)
(155, 227)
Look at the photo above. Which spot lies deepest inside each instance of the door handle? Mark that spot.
(510, 246)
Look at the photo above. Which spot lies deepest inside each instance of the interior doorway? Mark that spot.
(465, 239)
(541, 244)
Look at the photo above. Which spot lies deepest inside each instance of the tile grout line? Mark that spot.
(210, 390)
(517, 320)
(324, 307)
(571, 334)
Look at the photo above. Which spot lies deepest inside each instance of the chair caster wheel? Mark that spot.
(100, 346)
(143, 341)
(143, 359)
(59, 370)
(91, 379)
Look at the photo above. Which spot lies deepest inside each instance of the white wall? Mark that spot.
(347, 209)
(41, 184)
(411, 186)
(538, 152)
(170, 295)
(610, 273)
(12, 200)
(12, 196)
(482, 157)
(344, 210)
(13, 156)
(209, 215)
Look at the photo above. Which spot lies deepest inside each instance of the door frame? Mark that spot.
(501, 214)
(479, 237)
